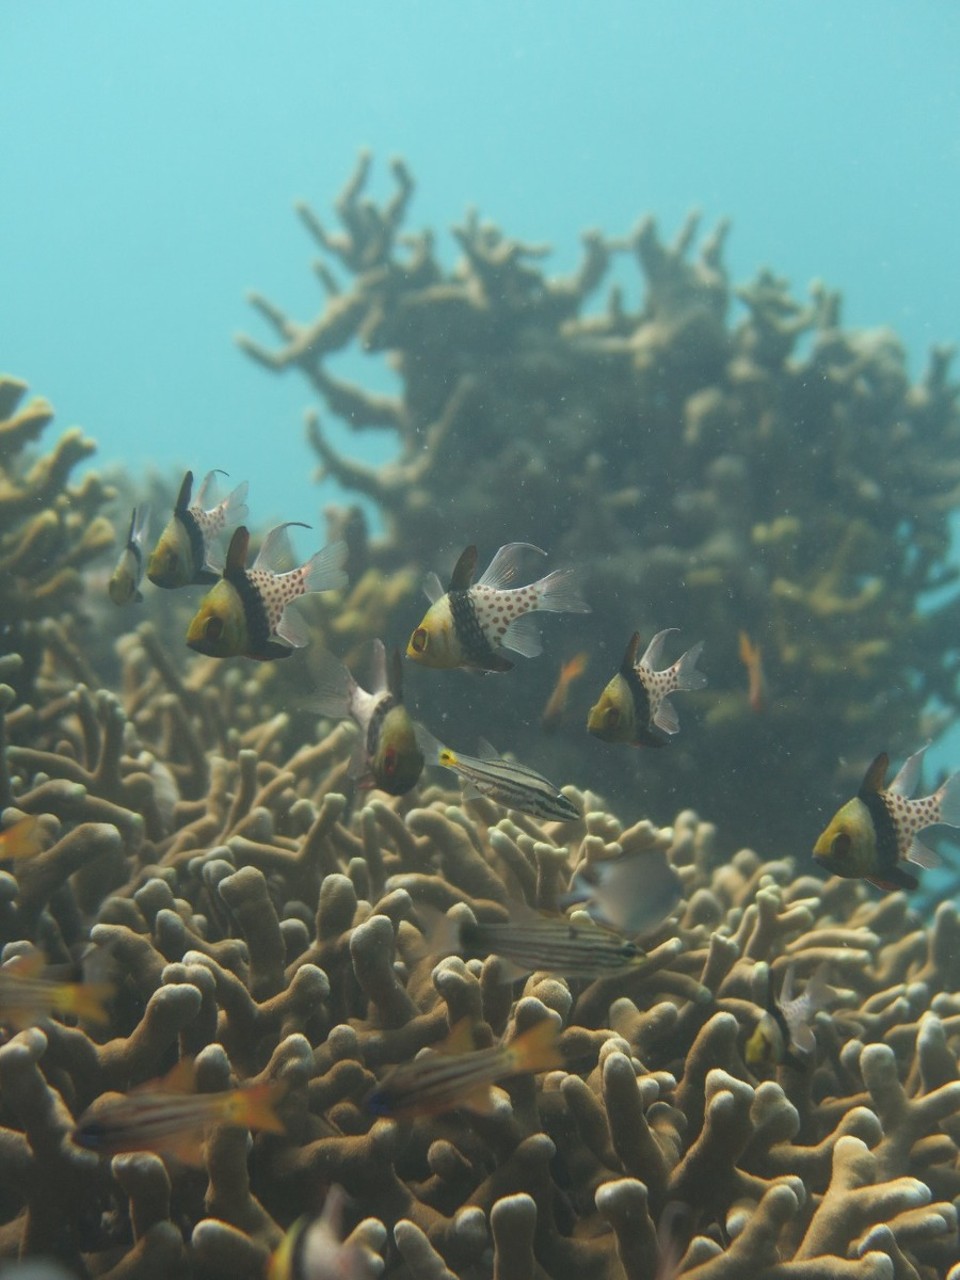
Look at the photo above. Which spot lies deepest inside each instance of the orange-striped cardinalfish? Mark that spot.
(457, 1075)
(875, 833)
(635, 706)
(186, 551)
(169, 1118)
(530, 941)
(511, 784)
(388, 754)
(22, 839)
(124, 584)
(751, 655)
(248, 613)
(27, 997)
(470, 624)
(556, 705)
(314, 1249)
(784, 1032)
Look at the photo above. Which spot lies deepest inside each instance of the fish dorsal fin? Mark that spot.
(464, 570)
(433, 588)
(133, 526)
(395, 675)
(206, 485)
(276, 553)
(460, 1039)
(237, 552)
(875, 776)
(378, 668)
(183, 497)
(905, 783)
(181, 1078)
(655, 647)
(487, 751)
(630, 654)
(505, 565)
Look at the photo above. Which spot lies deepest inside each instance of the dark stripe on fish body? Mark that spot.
(549, 945)
(197, 547)
(517, 787)
(254, 610)
(466, 625)
(884, 829)
(439, 1078)
(375, 728)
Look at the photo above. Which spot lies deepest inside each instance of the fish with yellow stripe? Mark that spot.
(186, 551)
(170, 1118)
(248, 613)
(471, 624)
(456, 1074)
(27, 996)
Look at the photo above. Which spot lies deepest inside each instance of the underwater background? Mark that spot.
(427, 275)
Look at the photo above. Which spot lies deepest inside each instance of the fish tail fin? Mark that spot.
(687, 676)
(23, 839)
(87, 1000)
(432, 748)
(819, 991)
(441, 934)
(557, 593)
(538, 1049)
(948, 801)
(333, 687)
(258, 1106)
(575, 668)
(324, 571)
(235, 509)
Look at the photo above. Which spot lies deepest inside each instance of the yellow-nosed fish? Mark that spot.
(530, 941)
(784, 1032)
(388, 755)
(314, 1248)
(186, 550)
(457, 1075)
(511, 784)
(26, 997)
(167, 1117)
(470, 624)
(124, 584)
(633, 895)
(22, 839)
(247, 608)
(873, 834)
(556, 704)
(635, 706)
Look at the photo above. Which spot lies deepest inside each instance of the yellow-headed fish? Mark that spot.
(26, 997)
(314, 1249)
(635, 706)
(22, 839)
(873, 834)
(124, 584)
(784, 1032)
(388, 755)
(186, 550)
(470, 624)
(167, 1117)
(247, 608)
(457, 1075)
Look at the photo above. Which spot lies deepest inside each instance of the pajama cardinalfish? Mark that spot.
(388, 755)
(457, 1075)
(635, 706)
(168, 1117)
(511, 784)
(872, 835)
(314, 1248)
(784, 1032)
(247, 608)
(124, 584)
(186, 550)
(471, 624)
(27, 997)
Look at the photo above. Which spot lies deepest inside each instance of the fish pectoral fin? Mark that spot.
(293, 627)
(523, 637)
(892, 879)
(186, 1147)
(666, 718)
(921, 855)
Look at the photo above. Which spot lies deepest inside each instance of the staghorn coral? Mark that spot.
(267, 927)
(717, 459)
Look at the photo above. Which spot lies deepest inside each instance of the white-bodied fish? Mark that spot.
(511, 784)
(186, 551)
(633, 895)
(470, 624)
(635, 706)
(124, 585)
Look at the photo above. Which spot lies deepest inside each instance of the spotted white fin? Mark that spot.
(276, 553)
(523, 637)
(503, 569)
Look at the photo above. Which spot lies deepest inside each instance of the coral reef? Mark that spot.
(252, 918)
(717, 459)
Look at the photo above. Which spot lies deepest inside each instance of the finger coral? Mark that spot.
(249, 917)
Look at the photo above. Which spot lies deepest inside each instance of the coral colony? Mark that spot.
(252, 1019)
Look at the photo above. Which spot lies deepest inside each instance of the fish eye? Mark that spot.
(840, 845)
(213, 628)
(419, 640)
(629, 951)
(611, 717)
(390, 761)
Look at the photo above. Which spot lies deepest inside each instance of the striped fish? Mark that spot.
(470, 624)
(531, 941)
(165, 1118)
(185, 551)
(511, 784)
(457, 1075)
(27, 997)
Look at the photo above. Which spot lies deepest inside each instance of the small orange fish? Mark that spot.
(557, 702)
(26, 997)
(22, 839)
(169, 1118)
(751, 655)
(457, 1075)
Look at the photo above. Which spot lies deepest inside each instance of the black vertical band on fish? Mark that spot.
(374, 729)
(194, 533)
(476, 648)
(254, 610)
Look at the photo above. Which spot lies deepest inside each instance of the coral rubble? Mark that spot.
(717, 459)
(253, 919)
